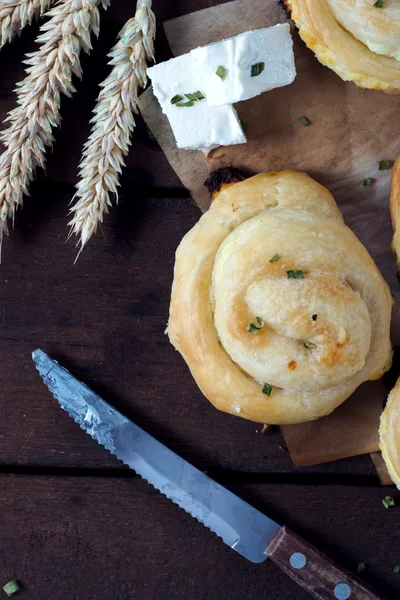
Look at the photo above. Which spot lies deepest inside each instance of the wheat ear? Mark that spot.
(16, 14)
(113, 122)
(49, 74)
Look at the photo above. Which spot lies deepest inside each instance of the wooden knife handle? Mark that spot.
(314, 571)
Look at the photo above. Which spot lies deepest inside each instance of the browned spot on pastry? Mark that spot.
(221, 179)
(292, 365)
(341, 344)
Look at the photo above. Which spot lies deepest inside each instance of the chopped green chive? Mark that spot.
(388, 501)
(176, 99)
(360, 568)
(257, 69)
(304, 121)
(309, 345)
(379, 3)
(221, 72)
(195, 96)
(191, 99)
(367, 181)
(275, 258)
(11, 588)
(267, 389)
(396, 569)
(295, 274)
(384, 165)
(255, 325)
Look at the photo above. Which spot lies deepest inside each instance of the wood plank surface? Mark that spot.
(104, 318)
(77, 525)
(81, 538)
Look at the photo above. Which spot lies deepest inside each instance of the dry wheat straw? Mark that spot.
(16, 14)
(113, 122)
(49, 74)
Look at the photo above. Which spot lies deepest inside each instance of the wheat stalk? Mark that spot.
(16, 14)
(113, 123)
(49, 74)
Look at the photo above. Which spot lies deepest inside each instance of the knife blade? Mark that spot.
(242, 527)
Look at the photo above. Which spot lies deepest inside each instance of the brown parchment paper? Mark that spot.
(351, 130)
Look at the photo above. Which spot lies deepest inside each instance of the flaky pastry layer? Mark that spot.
(389, 434)
(357, 40)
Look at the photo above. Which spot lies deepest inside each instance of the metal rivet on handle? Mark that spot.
(298, 560)
(342, 591)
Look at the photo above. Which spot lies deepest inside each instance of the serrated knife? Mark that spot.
(246, 530)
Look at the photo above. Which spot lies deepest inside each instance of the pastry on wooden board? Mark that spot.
(389, 430)
(394, 207)
(277, 307)
(389, 434)
(360, 41)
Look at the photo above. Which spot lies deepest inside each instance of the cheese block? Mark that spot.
(196, 124)
(253, 62)
(219, 75)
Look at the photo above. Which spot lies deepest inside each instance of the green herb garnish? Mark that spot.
(384, 165)
(257, 69)
(379, 3)
(11, 588)
(267, 389)
(191, 99)
(255, 325)
(388, 501)
(176, 99)
(295, 274)
(304, 121)
(309, 345)
(396, 569)
(360, 568)
(221, 72)
(275, 258)
(367, 181)
(195, 96)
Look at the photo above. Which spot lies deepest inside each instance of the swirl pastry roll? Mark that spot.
(394, 207)
(358, 39)
(277, 307)
(389, 434)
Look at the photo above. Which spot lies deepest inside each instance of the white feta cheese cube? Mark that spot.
(197, 125)
(267, 50)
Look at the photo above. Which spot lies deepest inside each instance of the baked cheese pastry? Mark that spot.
(394, 207)
(359, 40)
(277, 307)
(389, 434)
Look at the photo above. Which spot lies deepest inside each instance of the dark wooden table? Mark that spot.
(75, 524)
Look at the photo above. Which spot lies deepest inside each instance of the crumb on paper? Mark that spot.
(388, 501)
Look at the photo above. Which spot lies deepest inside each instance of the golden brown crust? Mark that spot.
(389, 433)
(224, 279)
(394, 207)
(359, 43)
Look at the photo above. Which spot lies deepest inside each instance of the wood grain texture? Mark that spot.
(323, 578)
(111, 539)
